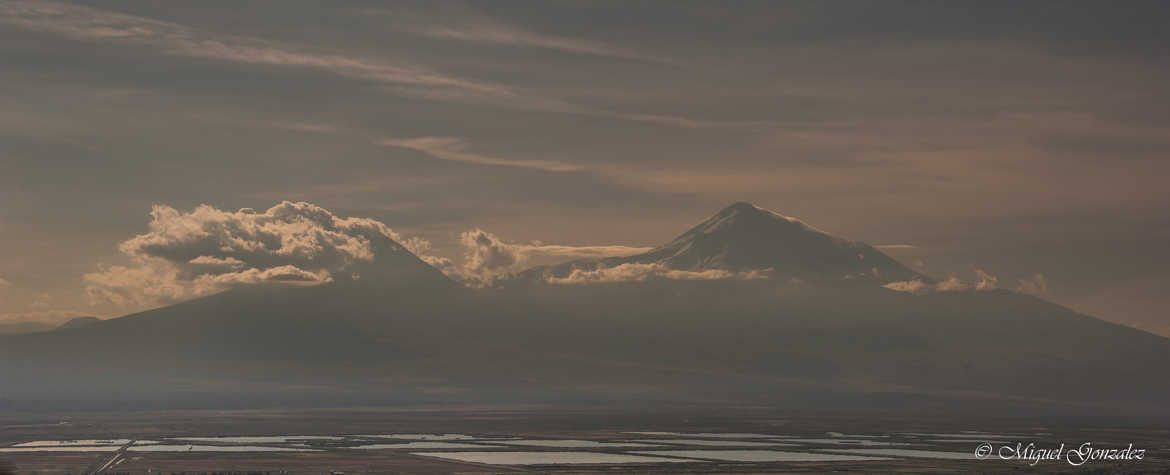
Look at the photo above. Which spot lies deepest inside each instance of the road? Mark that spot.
(114, 459)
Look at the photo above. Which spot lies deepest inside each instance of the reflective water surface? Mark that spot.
(761, 456)
(928, 454)
(546, 458)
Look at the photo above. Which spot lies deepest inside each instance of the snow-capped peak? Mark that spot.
(745, 238)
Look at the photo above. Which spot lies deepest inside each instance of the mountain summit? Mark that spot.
(746, 238)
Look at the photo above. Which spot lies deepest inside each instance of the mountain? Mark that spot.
(402, 332)
(20, 327)
(744, 238)
(394, 265)
(79, 322)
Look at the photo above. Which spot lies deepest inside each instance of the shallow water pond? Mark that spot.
(854, 436)
(974, 442)
(71, 443)
(835, 441)
(546, 458)
(761, 456)
(422, 445)
(711, 435)
(427, 436)
(258, 439)
(577, 444)
(715, 443)
(926, 454)
(214, 448)
(968, 435)
(79, 448)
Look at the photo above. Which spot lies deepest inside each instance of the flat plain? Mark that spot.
(327, 440)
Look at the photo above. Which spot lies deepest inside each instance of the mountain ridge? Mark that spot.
(744, 238)
(397, 334)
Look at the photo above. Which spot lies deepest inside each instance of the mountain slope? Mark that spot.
(19, 327)
(708, 342)
(401, 332)
(746, 238)
(78, 322)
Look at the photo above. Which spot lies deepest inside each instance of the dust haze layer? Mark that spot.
(818, 328)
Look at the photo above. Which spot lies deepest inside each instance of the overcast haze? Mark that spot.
(1026, 141)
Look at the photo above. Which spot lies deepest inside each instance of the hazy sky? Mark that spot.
(1016, 138)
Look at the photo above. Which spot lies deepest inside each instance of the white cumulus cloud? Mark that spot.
(910, 286)
(487, 257)
(986, 281)
(207, 250)
(635, 272)
(951, 284)
(1036, 285)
